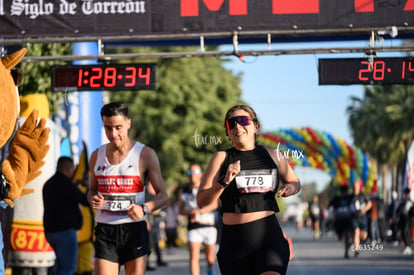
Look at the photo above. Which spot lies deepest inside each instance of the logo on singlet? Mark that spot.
(101, 168)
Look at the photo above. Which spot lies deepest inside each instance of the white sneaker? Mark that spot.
(407, 251)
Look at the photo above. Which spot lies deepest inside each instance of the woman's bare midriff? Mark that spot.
(240, 218)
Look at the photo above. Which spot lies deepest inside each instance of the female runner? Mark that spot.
(245, 179)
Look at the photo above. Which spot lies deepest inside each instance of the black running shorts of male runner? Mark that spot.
(121, 243)
(253, 248)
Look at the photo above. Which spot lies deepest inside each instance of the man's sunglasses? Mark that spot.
(241, 120)
(193, 172)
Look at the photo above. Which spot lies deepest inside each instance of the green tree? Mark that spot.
(183, 118)
(36, 75)
(382, 124)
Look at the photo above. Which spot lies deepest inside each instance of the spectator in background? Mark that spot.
(171, 222)
(381, 218)
(342, 211)
(154, 231)
(315, 215)
(201, 223)
(377, 219)
(362, 204)
(405, 214)
(62, 217)
(373, 217)
(392, 217)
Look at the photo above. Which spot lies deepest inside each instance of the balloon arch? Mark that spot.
(318, 149)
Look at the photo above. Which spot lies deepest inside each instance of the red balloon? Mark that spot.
(314, 136)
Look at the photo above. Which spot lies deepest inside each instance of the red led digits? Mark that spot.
(378, 70)
(80, 74)
(109, 77)
(95, 79)
(410, 69)
(147, 75)
(363, 72)
(130, 76)
(382, 71)
(100, 76)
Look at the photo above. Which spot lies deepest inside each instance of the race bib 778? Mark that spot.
(256, 181)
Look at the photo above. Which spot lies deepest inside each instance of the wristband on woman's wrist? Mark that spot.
(222, 183)
(296, 190)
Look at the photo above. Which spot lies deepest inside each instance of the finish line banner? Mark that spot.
(76, 18)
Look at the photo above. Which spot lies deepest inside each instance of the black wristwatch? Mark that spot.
(221, 182)
(145, 209)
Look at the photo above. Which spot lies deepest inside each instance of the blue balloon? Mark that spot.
(331, 165)
(304, 162)
(296, 136)
(352, 176)
(334, 144)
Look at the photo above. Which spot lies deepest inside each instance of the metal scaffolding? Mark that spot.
(201, 40)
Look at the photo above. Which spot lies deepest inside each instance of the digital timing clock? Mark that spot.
(360, 71)
(103, 77)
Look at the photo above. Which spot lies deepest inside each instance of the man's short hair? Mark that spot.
(64, 162)
(114, 109)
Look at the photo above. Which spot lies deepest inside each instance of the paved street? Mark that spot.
(326, 256)
(311, 257)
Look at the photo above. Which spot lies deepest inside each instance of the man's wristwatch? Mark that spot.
(145, 209)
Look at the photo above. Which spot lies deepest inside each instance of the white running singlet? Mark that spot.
(189, 197)
(120, 185)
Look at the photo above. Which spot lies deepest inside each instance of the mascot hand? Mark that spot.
(26, 157)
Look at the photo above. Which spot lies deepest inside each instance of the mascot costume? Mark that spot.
(29, 146)
(29, 252)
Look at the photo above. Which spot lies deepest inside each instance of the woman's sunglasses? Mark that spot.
(193, 172)
(241, 120)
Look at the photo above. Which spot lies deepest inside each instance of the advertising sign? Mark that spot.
(75, 18)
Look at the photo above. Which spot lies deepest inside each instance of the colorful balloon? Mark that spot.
(345, 163)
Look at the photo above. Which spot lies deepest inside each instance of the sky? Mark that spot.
(284, 92)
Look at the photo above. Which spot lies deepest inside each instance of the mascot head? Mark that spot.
(9, 98)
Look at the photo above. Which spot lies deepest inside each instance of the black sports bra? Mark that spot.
(254, 188)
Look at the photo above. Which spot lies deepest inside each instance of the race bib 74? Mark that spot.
(117, 203)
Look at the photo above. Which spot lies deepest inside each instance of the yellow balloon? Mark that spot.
(344, 149)
(311, 161)
(347, 170)
(319, 157)
(369, 185)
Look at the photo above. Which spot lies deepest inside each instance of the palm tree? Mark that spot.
(382, 124)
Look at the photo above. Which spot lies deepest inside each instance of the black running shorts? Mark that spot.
(121, 243)
(253, 248)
